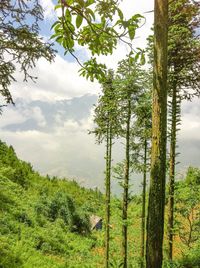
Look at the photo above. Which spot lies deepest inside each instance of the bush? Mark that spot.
(191, 259)
(8, 257)
(63, 207)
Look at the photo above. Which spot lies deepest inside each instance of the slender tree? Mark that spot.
(184, 63)
(174, 111)
(142, 134)
(156, 205)
(126, 185)
(184, 80)
(130, 84)
(106, 129)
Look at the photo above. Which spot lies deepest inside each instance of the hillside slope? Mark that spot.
(44, 222)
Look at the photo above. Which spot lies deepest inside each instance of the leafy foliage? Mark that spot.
(41, 218)
(44, 222)
(184, 47)
(187, 192)
(20, 44)
(97, 25)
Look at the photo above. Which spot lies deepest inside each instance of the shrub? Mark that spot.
(8, 257)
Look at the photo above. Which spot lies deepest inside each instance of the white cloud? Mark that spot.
(11, 117)
(21, 115)
(56, 81)
(38, 116)
(130, 7)
(66, 151)
(190, 123)
(48, 6)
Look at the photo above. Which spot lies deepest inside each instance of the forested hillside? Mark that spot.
(44, 222)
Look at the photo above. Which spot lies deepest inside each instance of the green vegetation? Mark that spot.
(118, 115)
(98, 25)
(183, 56)
(107, 128)
(44, 222)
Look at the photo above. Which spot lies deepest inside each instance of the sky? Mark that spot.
(49, 124)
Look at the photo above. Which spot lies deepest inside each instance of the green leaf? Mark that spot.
(68, 16)
(125, 23)
(57, 6)
(59, 39)
(136, 17)
(54, 24)
(69, 2)
(142, 59)
(64, 43)
(81, 3)
(53, 36)
(79, 20)
(131, 32)
(131, 60)
(120, 13)
(89, 2)
(137, 56)
(57, 28)
(91, 13)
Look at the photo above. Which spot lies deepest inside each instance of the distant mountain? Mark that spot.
(42, 115)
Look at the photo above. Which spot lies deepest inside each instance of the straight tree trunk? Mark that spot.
(143, 205)
(172, 171)
(156, 204)
(108, 193)
(126, 188)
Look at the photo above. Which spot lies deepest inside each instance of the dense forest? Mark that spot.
(46, 221)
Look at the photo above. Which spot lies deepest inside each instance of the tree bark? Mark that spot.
(143, 205)
(126, 188)
(156, 205)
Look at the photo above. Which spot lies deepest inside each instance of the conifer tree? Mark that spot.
(141, 144)
(130, 85)
(184, 80)
(106, 114)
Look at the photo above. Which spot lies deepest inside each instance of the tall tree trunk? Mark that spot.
(143, 204)
(126, 188)
(172, 171)
(156, 205)
(108, 193)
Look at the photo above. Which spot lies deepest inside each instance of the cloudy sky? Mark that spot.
(49, 124)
